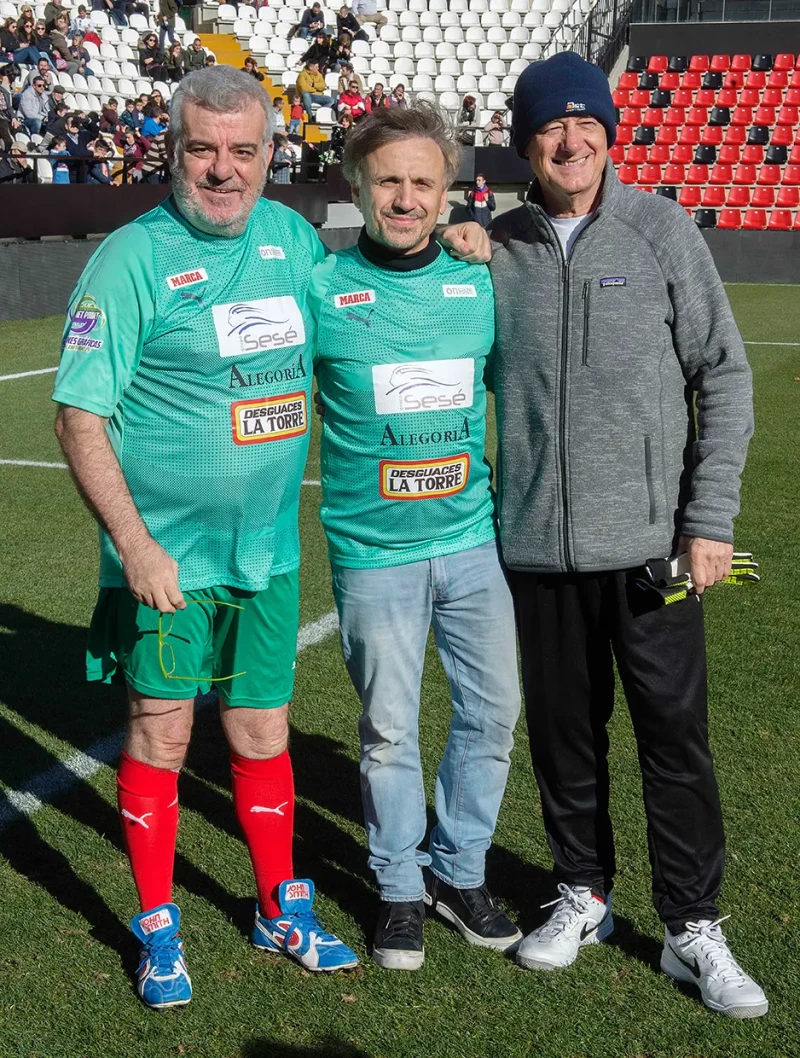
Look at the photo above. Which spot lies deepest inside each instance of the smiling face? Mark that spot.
(568, 156)
(222, 166)
(402, 193)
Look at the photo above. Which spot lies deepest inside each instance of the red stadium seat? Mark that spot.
(721, 174)
(778, 79)
(670, 81)
(727, 97)
(753, 154)
(616, 153)
(700, 63)
(788, 197)
(683, 153)
(684, 97)
(689, 197)
(780, 220)
(782, 136)
(650, 174)
(792, 97)
(788, 116)
(674, 174)
(772, 97)
(667, 134)
(624, 134)
(714, 197)
(794, 154)
(730, 154)
(636, 154)
(733, 80)
(765, 116)
(791, 176)
(704, 97)
(745, 174)
(763, 197)
(675, 116)
(794, 79)
(711, 135)
(749, 97)
(741, 63)
(755, 79)
(691, 79)
(629, 79)
(741, 116)
(783, 61)
(739, 197)
(659, 153)
(653, 117)
(719, 63)
(697, 116)
(640, 97)
(755, 220)
(621, 97)
(729, 218)
(628, 174)
(632, 116)
(657, 64)
(735, 134)
(690, 134)
(796, 225)
(697, 174)
(769, 175)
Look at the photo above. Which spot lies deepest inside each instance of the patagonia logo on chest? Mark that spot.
(614, 281)
(357, 297)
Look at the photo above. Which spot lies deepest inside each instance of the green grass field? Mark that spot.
(67, 958)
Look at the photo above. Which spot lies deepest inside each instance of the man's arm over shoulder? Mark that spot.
(714, 363)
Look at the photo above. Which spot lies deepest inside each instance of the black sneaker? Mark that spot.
(473, 913)
(398, 936)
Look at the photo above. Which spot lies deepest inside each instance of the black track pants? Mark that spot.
(570, 628)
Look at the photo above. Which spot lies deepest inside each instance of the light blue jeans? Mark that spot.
(385, 615)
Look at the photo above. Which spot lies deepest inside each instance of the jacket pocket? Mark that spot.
(648, 473)
(587, 286)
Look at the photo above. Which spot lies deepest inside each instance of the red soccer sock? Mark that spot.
(148, 806)
(263, 798)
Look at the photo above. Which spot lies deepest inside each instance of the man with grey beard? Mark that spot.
(184, 393)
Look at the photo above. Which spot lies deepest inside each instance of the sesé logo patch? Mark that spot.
(246, 327)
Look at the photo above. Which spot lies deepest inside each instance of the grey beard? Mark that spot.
(184, 193)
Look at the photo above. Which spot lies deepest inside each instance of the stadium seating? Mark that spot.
(727, 136)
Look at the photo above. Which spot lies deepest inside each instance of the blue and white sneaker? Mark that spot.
(163, 980)
(298, 931)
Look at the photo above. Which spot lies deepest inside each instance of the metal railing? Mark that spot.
(717, 11)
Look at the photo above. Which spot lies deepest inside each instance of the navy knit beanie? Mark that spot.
(563, 86)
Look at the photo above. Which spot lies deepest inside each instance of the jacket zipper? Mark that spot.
(562, 412)
(648, 473)
(586, 291)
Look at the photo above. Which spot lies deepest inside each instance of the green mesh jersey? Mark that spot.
(400, 363)
(198, 350)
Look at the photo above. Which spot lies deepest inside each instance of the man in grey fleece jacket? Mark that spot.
(613, 333)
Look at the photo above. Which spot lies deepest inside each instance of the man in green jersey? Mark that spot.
(403, 339)
(184, 389)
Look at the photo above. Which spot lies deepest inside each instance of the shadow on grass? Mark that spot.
(328, 1048)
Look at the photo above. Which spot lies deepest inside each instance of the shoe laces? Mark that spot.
(163, 956)
(569, 906)
(708, 939)
(400, 919)
(480, 903)
(309, 922)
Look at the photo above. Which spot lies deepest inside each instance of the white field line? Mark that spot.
(785, 345)
(63, 466)
(27, 374)
(82, 765)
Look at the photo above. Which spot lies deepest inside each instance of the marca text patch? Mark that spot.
(425, 385)
(451, 290)
(269, 418)
(423, 479)
(614, 281)
(357, 297)
(255, 326)
(187, 279)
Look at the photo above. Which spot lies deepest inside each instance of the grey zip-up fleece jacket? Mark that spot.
(599, 362)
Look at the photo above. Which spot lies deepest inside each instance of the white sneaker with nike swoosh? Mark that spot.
(700, 956)
(578, 918)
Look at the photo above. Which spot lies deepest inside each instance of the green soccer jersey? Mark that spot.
(400, 365)
(198, 350)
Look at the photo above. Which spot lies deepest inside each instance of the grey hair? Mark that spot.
(222, 90)
(422, 120)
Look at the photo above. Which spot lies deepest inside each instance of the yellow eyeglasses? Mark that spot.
(163, 635)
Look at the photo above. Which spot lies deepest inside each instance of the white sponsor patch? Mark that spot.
(425, 385)
(451, 290)
(157, 920)
(298, 891)
(246, 327)
(423, 479)
(275, 253)
(269, 418)
(357, 297)
(187, 279)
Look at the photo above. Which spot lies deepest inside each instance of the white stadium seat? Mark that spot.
(454, 34)
(520, 35)
(427, 66)
(489, 19)
(509, 52)
(469, 66)
(496, 101)
(450, 101)
(467, 51)
(509, 84)
(488, 84)
(422, 50)
(487, 51)
(495, 68)
(444, 83)
(432, 35)
(410, 33)
(475, 35)
(450, 67)
(466, 83)
(404, 68)
(421, 83)
(402, 50)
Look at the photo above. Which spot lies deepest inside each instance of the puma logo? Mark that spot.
(136, 819)
(366, 320)
(275, 811)
(189, 295)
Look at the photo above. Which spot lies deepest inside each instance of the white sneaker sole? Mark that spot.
(508, 944)
(389, 959)
(675, 969)
(532, 962)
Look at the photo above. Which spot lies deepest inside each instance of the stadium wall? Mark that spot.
(710, 38)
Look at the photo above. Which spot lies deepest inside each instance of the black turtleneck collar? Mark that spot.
(394, 260)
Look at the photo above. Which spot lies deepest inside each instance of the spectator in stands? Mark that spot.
(154, 104)
(339, 133)
(154, 126)
(115, 9)
(99, 171)
(57, 152)
(15, 168)
(9, 41)
(346, 22)
(480, 202)
(58, 36)
(174, 63)
(295, 115)
(312, 22)
(341, 51)
(495, 131)
(80, 55)
(44, 42)
(109, 115)
(155, 159)
(82, 23)
(211, 61)
(151, 58)
(346, 76)
(44, 71)
(313, 89)
(353, 100)
(28, 50)
(367, 11)
(319, 53)
(56, 125)
(251, 67)
(132, 116)
(398, 97)
(78, 139)
(195, 56)
(277, 114)
(376, 99)
(281, 160)
(167, 10)
(133, 154)
(466, 118)
(8, 120)
(33, 105)
(52, 10)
